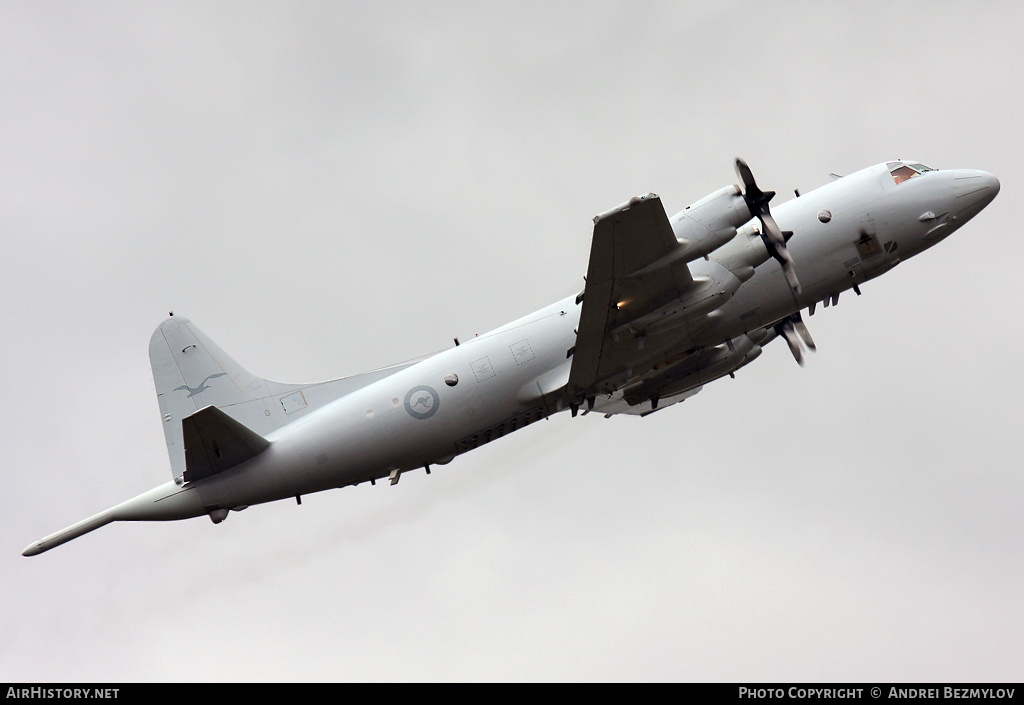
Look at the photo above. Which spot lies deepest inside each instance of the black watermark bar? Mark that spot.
(743, 692)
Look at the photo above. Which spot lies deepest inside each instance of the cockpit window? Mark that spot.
(901, 172)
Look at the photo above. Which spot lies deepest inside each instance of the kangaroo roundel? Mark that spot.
(422, 402)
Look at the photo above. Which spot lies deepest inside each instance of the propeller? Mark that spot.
(793, 329)
(774, 238)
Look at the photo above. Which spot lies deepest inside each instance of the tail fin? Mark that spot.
(191, 373)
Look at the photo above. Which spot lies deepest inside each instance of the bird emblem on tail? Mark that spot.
(203, 386)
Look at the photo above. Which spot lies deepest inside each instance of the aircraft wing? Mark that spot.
(635, 269)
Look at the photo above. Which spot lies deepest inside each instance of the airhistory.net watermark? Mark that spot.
(62, 693)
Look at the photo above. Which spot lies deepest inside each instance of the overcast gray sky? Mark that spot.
(329, 187)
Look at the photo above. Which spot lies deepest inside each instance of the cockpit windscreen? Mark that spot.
(901, 171)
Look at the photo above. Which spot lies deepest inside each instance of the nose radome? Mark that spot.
(973, 190)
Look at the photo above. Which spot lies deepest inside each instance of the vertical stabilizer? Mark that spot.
(191, 372)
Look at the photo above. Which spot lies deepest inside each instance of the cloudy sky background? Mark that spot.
(329, 187)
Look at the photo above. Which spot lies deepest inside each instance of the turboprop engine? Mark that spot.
(700, 229)
(706, 225)
(714, 285)
(743, 253)
(703, 366)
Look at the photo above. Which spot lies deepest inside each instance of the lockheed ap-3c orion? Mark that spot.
(669, 304)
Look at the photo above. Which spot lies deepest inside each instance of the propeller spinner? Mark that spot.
(774, 238)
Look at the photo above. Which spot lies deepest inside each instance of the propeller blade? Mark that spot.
(757, 200)
(794, 283)
(787, 332)
(746, 175)
(772, 230)
(801, 328)
(793, 329)
(773, 236)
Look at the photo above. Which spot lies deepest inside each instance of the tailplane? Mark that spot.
(216, 442)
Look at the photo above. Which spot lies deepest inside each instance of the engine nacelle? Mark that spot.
(714, 285)
(710, 222)
(744, 252)
(702, 367)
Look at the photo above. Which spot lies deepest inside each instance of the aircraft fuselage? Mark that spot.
(846, 232)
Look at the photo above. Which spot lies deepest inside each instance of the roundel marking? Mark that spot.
(422, 402)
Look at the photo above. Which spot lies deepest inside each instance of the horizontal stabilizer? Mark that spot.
(215, 442)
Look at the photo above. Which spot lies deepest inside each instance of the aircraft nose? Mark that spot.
(972, 190)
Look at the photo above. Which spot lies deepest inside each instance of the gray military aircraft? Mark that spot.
(669, 304)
